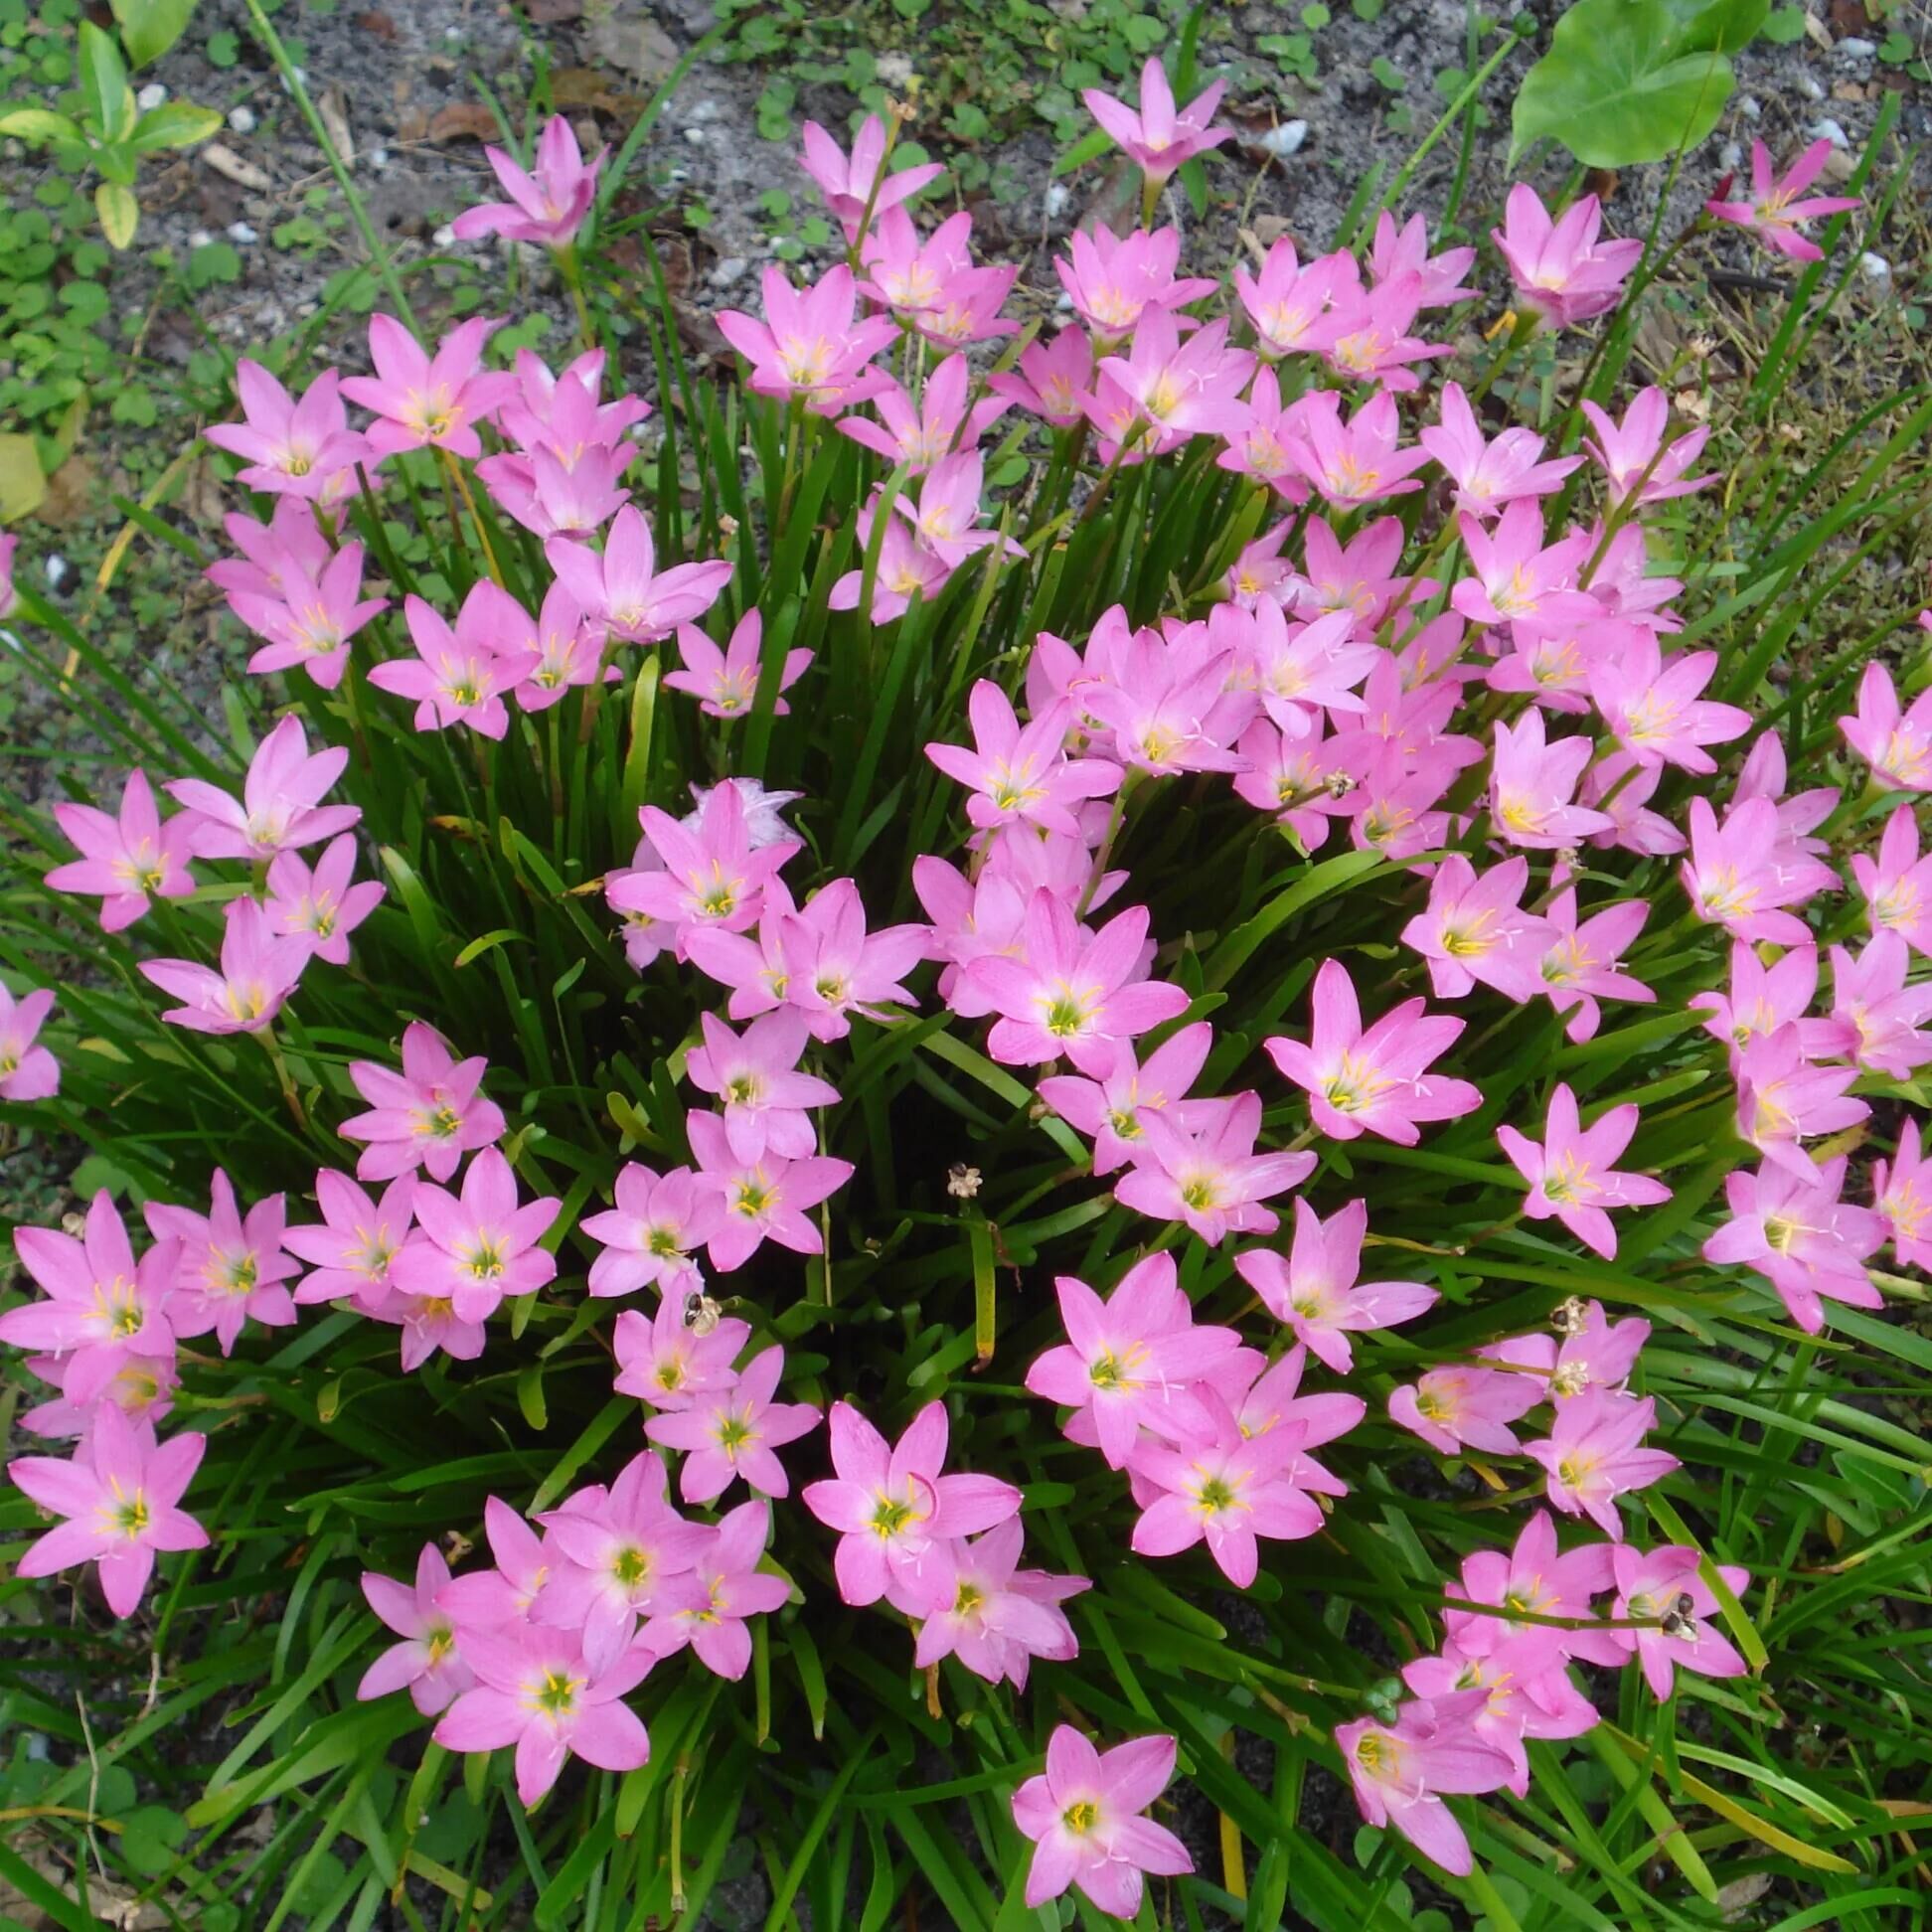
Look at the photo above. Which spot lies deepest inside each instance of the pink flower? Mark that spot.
(1164, 390)
(1519, 1706)
(714, 878)
(1083, 1815)
(100, 1313)
(1583, 962)
(127, 856)
(1533, 1579)
(1783, 1098)
(568, 484)
(481, 1246)
(1592, 1455)
(430, 1115)
(543, 1692)
(809, 347)
(998, 1617)
(1798, 1233)
(1897, 884)
(1778, 209)
(547, 205)
(120, 1500)
(1400, 1771)
(28, 1071)
(1073, 993)
(304, 449)
(1054, 380)
(1571, 1174)
(622, 590)
(460, 676)
(1532, 785)
(1209, 1175)
(733, 1588)
(834, 968)
(852, 184)
(1405, 250)
(1901, 1197)
(280, 806)
(1289, 304)
(561, 651)
(896, 1513)
(486, 1600)
(1666, 1584)
(1652, 709)
(726, 682)
(908, 567)
(1373, 1081)
(426, 1662)
(321, 907)
(1562, 274)
(765, 1199)
(1316, 1290)
(1020, 774)
(1456, 1408)
(1896, 743)
(1736, 877)
(923, 433)
(736, 1431)
(1111, 1112)
(1169, 706)
(1764, 998)
(649, 1238)
(311, 618)
(351, 1250)
(1517, 576)
(1880, 1017)
(1353, 462)
(429, 402)
(1634, 458)
(1489, 474)
(765, 1098)
(1370, 339)
(1160, 138)
(1475, 929)
(1132, 1361)
(231, 1266)
(669, 1363)
(257, 972)
(1114, 280)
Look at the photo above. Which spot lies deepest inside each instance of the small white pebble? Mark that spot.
(1730, 156)
(1830, 130)
(1749, 108)
(694, 135)
(1877, 269)
(1063, 305)
(706, 110)
(241, 233)
(150, 97)
(379, 157)
(444, 237)
(241, 119)
(1858, 50)
(1284, 140)
(199, 238)
(57, 570)
(452, 32)
(1058, 196)
(1809, 87)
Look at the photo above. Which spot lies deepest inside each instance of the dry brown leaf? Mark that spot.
(333, 107)
(231, 167)
(462, 121)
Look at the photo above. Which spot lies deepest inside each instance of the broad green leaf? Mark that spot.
(22, 484)
(37, 124)
(103, 85)
(175, 123)
(119, 212)
(148, 28)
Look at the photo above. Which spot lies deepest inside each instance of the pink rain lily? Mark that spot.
(997, 1618)
(1290, 305)
(126, 856)
(1895, 742)
(1459, 1407)
(486, 1600)
(120, 1499)
(1896, 882)
(735, 1432)
(1634, 456)
(1083, 1814)
(430, 1115)
(548, 202)
(1476, 930)
(258, 970)
(311, 618)
(1583, 962)
(908, 567)
(1881, 1019)
(232, 1266)
(426, 1662)
(99, 1312)
(571, 491)
(1209, 1175)
(540, 1690)
(28, 1071)
(726, 682)
(280, 807)
(623, 593)
(1054, 378)
(1533, 1578)
(305, 450)
(939, 424)
(1370, 339)
(1532, 786)
(834, 968)
(765, 1099)
(948, 508)
(1073, 993)
(1301, 670)
(1169, 708)
(1779, 207)
(351, 1250)
(1519, 1706)
(1016, 773)
(1316, 1289)
(1901, 1197)
(1356, 461)
(1489, 474)
(321, 905)
(1405, 250)
(649, 1238)
(895, 1511)
(480, 1246)
(1261, 448)
(1164, 390)
(560, 652)
(733, 1588)
(1570, 1175)
(1652, 710)
(1374, 1081)
(1563, 274)
(1114, 280)
(855, 183)
(1132, 1359)
(1401, 1771)
(1784, 1099)
(1761, 999)
(809, 347)
(910, 273)
(1518, 577)
(763, 1200)
(460, 676)
(714, 878)
(422, 400)
(1736, 877)
(1802, 1236)
(671, 1362)
(1111, 1110)
(1161, 137)
(1594, 1353)
(1666, 1584)
(1593, 1455)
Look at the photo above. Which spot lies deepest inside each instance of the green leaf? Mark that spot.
(37, 124)
(1784, 25)
(119, 212)
(175, 123)
(103, 85)
(23, 484)
(1630, 80)
(148, 28)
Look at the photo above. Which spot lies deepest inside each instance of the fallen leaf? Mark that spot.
(73, 492)
(1847, 91)
(630, 41)
(333, 107)
(572, 87)
(231, 167)
(377, 23)
(462, 121)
